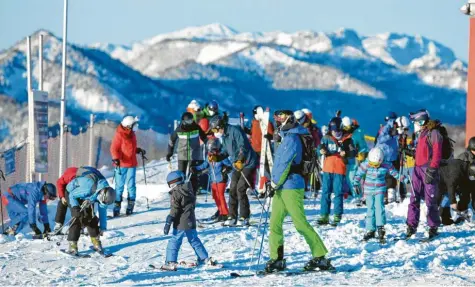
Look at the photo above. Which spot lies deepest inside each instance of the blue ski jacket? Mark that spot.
(87, 187)
(238, 147)
(31, 194)
(288, 154)
(388, 143)
(374, 177)
(216, 174)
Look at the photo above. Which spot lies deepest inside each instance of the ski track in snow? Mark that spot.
(138, 241)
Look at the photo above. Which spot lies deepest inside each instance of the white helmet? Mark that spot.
(299, 116)
(306, 111)
(194, 105)
(375, 157)
(129, 121)
(346, 122)
(324, 130)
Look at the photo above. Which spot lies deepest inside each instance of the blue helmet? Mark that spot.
(213, 106)
(175, 178)
(50, 191)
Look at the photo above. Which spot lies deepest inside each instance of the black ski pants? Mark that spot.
(237, 193)
(62, 209)
(86, 218)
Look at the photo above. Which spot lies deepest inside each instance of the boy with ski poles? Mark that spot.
(373, 172)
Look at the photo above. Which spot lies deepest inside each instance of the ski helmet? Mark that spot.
(300, 116)
(471, 171)
(346, 123)
(187, 118)
(213, 107)
(216, 124)
(106, 196)
(282, 116)
(421, 116)
(471, 144)
(403, 124)
(175, 178)
(335, 124)
(214, 145)
(375, 157)
(129, 122)
(194, 105)
(324, 130)
(50, 191)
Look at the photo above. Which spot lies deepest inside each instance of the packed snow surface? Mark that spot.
(138, 241)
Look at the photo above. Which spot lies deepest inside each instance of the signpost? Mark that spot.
(41, 131)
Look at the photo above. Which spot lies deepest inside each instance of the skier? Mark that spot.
(21, 200)
(124, 152)
(85, 190)
(219, 177)
(372, 174)
(457, 177)
(403, 125)
(469, 154)
(425, 178)
(279, 117)
(337, 148)
(287, 189)
(244, 159)
(198, 115)
(62, 208)
(210, 111)
(182, 217)
(387, 141)
(255, 133)
(352, 127)
(188, 135)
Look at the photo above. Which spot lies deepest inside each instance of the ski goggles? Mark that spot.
(374, 164)
(188, 121)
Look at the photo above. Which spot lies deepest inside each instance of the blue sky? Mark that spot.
(126, 21)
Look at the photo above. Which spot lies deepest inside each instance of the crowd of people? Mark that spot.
(304, 157)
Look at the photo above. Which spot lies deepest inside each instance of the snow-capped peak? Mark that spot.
(213, 31)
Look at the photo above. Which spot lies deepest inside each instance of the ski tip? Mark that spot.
(234, 275)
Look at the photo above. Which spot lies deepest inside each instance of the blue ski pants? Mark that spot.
(376, 213)
(174, 245)
(332, 182)
(125, 176)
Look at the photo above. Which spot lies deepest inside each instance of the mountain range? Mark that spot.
(364, 76)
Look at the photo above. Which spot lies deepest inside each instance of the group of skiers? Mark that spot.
(283, 161)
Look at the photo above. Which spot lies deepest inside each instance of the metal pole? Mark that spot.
(30, 161)
(63, 88)
(91, 138)
(40, 76)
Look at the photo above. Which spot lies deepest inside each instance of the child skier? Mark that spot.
(182, 216)
(219, 177)
(373, 172)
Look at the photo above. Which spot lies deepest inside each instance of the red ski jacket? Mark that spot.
(124, 147)
(256, 134)
(68, 175)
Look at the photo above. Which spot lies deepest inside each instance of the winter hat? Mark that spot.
(194, 105)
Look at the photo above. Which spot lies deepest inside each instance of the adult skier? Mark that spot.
(198, 115)
(287, 188)
(21, 200)
(182, 218)
(244, 160)
(337, 147)
(124, 152)
(469, 154)
(425, 178)
(188, 134)
(62, 208)
(87, 188)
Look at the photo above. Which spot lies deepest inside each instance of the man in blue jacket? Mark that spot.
(237, 147)
(288, 188)
(21, 200)
(87, 188)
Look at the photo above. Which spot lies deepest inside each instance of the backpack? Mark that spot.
(447, 142)
(309, 155)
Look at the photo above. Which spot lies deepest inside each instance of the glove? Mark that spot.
(431, 175)
(141, 151)
(323, 151)
(86, 204)
(168, 223)
(116, 162)
(194, 170)
(270, 189)
(269, 137)
(361, 156)
(169, 157)
(64, 201)
(47, 228)
(76, 212)
(212, 158)
(238, 165)
(35, 229)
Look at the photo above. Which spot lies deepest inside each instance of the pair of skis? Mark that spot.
(82, 255)
(266, 151)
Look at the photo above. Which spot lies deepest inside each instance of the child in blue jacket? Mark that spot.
(373, 172)
(21, 200)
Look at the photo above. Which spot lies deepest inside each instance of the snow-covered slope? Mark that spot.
(138, 241)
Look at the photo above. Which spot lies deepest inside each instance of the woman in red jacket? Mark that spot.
(124, 152)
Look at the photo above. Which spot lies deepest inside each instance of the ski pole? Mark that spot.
(214, 176)
(257, 236)
(145, 175)
(1, 203)
(263, 235)
(247, 182)
(69, 223)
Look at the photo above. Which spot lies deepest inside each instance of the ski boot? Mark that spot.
(169, 266)
(230, 221)
(11, 230)
(215, 216)
(116, 211)
(57, 228)
(96, 243)
(336, 220)
(369, 235)
(410, 231)
(222, 218)
(73, 248)
(130, 207)
(433, 233)
(210, 262)
(275, 265)
(323, 220)
(381, 233)
(319, 264)
(243, 222)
